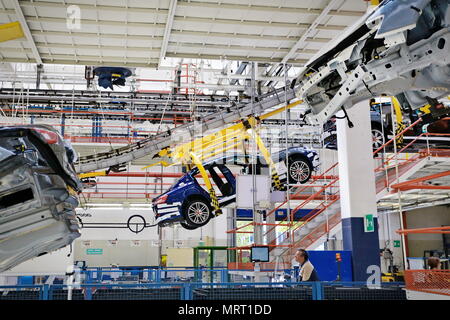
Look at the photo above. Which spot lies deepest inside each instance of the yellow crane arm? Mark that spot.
(398, 119)
(213, 144)
(208, 184)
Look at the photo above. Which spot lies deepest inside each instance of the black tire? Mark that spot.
(299, 170)
(197, 213)
(187, 226)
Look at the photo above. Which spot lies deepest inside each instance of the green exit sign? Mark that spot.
(369, 225)
(94, 251)
(396, 243)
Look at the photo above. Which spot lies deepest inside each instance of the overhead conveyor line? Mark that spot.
(217, 143)
(153, 144)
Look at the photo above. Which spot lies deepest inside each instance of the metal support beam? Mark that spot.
(265, 8)
(311, 28)
(26, 31)
(169, 22)
(29, 36)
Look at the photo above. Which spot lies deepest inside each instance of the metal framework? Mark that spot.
(146, 34)
(324, 217)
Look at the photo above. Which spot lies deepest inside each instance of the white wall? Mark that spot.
(214, 233)
(388, 223)
(424, 218)
(55, 262)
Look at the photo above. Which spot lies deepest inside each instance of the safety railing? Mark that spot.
(208, 291)
(392, 167)
(435, 281)
(155, 275)
(430, 281)
(297, 195)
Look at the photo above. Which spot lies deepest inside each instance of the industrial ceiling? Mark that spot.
(143, 33)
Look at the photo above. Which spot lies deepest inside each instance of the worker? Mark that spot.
(434, 263)
(433, 277)
(307, 270)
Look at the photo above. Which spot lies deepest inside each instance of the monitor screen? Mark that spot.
(259, 254)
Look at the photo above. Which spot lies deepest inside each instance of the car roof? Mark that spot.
(220, 160)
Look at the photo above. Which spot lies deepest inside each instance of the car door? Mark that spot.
(225, 182)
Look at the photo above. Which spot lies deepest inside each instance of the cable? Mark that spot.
(349, 122)
(71, 249)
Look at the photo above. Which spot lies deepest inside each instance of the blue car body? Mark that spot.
(168, 207)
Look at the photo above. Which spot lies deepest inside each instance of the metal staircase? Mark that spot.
(324, 220)
(392, 172)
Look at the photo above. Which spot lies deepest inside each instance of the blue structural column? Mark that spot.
(357, 190)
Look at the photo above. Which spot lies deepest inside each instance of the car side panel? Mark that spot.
(171, 210)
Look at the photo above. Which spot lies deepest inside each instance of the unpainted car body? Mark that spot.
(38, 193)
(401, 48)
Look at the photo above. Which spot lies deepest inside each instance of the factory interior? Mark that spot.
(245, 150)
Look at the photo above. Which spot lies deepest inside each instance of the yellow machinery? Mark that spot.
(393, 277)
(231, 138)
(11, 31)
(196, 152)
(399, 120)
(400, 126)
(92, 174)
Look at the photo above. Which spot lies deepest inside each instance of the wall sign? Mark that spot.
(369, 225)
(97, 251)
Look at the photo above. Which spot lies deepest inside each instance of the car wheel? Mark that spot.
(187, 226)
(299, 170)
(377, 138)
(197, 213)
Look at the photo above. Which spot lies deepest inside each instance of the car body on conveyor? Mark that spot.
(188, 203)
(38, 193)
(400, 48)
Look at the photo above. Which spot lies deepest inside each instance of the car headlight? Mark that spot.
(161, 199)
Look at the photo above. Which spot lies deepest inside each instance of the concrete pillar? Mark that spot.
(357, 189)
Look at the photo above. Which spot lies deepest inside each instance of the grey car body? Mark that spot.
(401, 48)
(38, 193)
